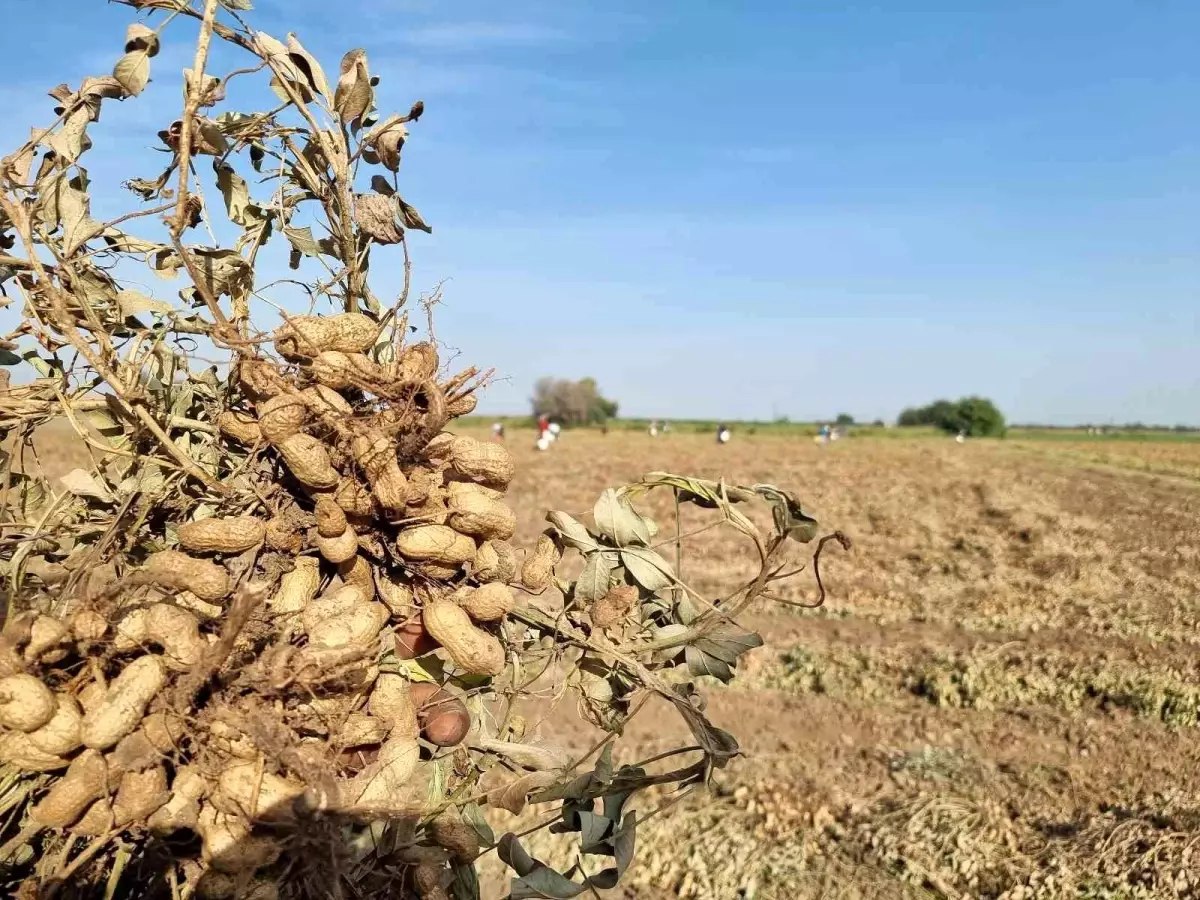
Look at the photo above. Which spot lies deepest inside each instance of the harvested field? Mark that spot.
(999, 699)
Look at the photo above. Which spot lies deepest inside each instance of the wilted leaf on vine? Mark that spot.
(648, 569)
(536, 878)
(302, 240)
(239, 5)
(617, 520)
(307, 65)
(474, 817)
(790, 518)
(225, 270)
(210, 90)
(241, 209)
(624, 843)
(410, 217)
(385, 141)
(515, 794)
(666, 633)
(466, 881)
(353, 95)
(83, 484)
(727, 645)
(593, 581)
(71, 140)
(719, 745)
(375, 214)
(133, 71)
(707, 494)
(572, 532)
(541, 756)
(8, 358)
(140, 37)
(147, 480)
(134, 302)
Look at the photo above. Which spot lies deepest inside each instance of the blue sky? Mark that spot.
(752, 209)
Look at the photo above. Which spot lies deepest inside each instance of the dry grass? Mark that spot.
(999, 699)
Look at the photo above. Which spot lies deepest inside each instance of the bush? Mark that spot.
(572, 402)
(974, 416)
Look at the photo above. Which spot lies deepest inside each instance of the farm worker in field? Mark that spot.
(723, 434)
(553, 430)
(543, 425)
(654, 428)
(497, 431)
(960, 438)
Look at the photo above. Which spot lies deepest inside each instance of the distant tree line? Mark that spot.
(572, 402)
(974, 416)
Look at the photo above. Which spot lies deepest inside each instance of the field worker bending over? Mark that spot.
(723, 434)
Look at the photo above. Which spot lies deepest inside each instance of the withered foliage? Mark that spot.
(274, 640)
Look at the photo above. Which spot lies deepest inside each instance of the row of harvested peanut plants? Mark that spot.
(275, 641)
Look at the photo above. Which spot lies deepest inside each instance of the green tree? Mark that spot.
(974, 416)
(844, 419)
(572, 402)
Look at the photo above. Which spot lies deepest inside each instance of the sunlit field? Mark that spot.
(998, 699)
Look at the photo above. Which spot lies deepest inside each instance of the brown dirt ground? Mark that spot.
(999, 698)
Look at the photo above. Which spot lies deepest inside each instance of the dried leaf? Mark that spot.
(71, 140)
(376, 216)
(307, 65)
(140, 37)
(594, 580)
(410, 217)
(536, 879)
(790, 519)
(134, 302)
(617, 520)
(302, 240)
(385, 141)
(572, 532)
(84, 484)
(647, 568)
(132, 71)
(353, 95)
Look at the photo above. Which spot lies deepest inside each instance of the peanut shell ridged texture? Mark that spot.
(487, 463)
(376, 455)
(486, 603)
(297, 587)
(25, 703)
(282, 416)
(240, 426)
(309, 462)
(472, 650)
(306, 336)
(17, 750)
(436, 544)
(613, 606)
(124, 703)
(338, 549)
(175, 630)
(473, 512)
(60, 735)
(391, 702)
(84, 782)
(172, 569)
(228, 535)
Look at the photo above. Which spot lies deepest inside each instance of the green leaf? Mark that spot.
(593, 829)
(466, 882)
(594, 580)
(8, 358)
(700, 663)
(648, 569)
(728, 645)
(572, 532)
(617, 520)
(473, 815)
